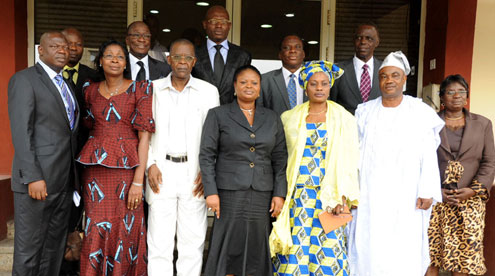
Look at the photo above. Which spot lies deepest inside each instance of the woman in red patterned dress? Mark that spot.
(120, 121)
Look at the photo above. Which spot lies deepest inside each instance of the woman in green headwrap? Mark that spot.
(322, 143)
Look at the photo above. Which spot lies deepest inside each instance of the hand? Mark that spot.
(134, 197)
(463, 194)
(37, 190)
(154, 178)
(198, 190)
(423, 203)
(339, 209)
(448, 196)
(276, 206)
(213, 204)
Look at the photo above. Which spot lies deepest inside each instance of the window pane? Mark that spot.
(263, 43)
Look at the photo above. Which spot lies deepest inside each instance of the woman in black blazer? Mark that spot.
(243, 159)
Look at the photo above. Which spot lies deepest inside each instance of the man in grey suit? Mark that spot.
(44, 118)
(218, 58)
(280, 89)
(360, 80)
(143, 67)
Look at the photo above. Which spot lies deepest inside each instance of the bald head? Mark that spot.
(76, 45)
(53, 50)
(217, 24)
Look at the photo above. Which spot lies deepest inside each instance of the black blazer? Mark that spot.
(345, 90)
(236, 58)
(476, 154)
(274, 94)
(157, 69)
(45, 146)
(235, 156)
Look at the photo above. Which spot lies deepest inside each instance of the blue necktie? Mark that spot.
(291, 90)
(69, 105)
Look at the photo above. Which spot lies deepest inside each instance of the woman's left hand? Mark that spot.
(134, 197)
(276, 206)
(463, 194)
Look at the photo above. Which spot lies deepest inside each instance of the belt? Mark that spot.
(176, 159)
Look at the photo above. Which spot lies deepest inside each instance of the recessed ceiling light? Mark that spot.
(266, 26)
(154, 11)
(289, 15)
(202, 4)
(166, 30)
(312, 42)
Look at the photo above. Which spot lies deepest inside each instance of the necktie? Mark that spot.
(68, 100)
(218, 64)
(365, 86)
(141, 75)
(291, 90)
(71, 73)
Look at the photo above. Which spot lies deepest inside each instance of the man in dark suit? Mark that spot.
(360, 80)
(44, 118)
(143, 67)
(217, 58)
(280, 89)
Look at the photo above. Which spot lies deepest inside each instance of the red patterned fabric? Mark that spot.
(115, 237)
(113, 125)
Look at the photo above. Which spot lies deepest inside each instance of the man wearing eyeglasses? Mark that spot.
(175, 190)
(143, 67)
(218, 58)
(359, 83)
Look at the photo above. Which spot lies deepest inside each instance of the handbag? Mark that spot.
(74, 243)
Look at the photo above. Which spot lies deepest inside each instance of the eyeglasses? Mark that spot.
(453, 92)
(138, 36)
(58, 47)
(215, 21)
(177, 58)
(111, 57)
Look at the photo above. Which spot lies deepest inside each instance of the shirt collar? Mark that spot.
(210, 44)
(192, 83)
(359, 63)
(134, 60)
(287, 73)
(67, 67)
(49, 70)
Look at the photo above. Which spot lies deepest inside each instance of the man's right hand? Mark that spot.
(37, 190)
(155, 178)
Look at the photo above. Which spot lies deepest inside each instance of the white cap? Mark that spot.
(397, 59)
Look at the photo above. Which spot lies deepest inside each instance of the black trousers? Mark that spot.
(40, 233)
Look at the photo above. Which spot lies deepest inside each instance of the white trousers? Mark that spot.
(175, 210)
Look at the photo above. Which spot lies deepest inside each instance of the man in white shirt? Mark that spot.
(359, 83)
(142, 66)
(280, 89)
(399, 178)
(175, 190)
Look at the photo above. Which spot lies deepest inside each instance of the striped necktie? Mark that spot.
(69, 104)
(291, 90)
(365, 86)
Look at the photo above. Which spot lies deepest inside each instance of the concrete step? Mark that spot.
(6, 256)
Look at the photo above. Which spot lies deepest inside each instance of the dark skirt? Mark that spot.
(239, 239)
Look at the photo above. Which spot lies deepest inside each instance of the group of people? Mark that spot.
(151, 147)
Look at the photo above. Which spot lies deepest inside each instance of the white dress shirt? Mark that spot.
(52, 74)
(299, 89)
(210, 45)
(135, 67)
(358, 68)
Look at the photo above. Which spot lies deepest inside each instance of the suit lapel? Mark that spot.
(470, 127)
(204, 60)
(54, 91)
(350, 78)
(280, 82)
(154, 72)
(237, 115)
(259, 118)
(230, 64)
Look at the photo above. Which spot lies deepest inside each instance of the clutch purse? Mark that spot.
(330, 222)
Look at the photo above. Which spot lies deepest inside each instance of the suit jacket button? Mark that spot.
(252, 149)
(252, 135)
(251, 165)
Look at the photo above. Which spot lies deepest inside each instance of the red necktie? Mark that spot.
(365, 86)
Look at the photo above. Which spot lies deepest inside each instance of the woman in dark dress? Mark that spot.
(120, 121)
(466, 158)
(243, 158)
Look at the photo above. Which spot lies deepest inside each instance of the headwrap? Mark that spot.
(309, 68)
(397, 59)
